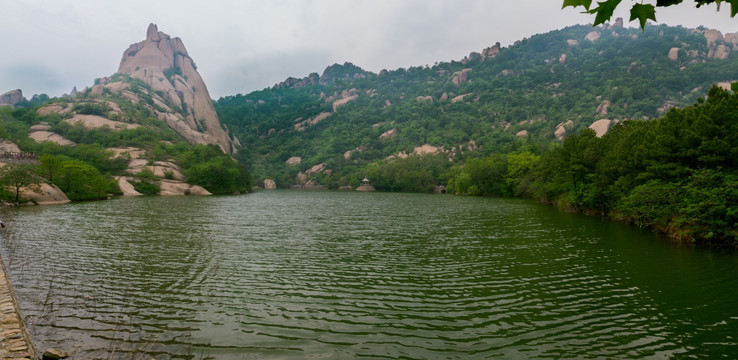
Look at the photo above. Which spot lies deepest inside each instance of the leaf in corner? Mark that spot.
(642, 13)
(575, 3)
(733, 7)
(604, 11)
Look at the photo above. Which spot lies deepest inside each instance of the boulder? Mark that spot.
(592, 36)
(301, 178)
(315, 169)
(562, 59)
(601, 126)
(522, 133)
(712, 36)
(41, 136)
(269, 184)
(491, 52)
(160, 168)
(134, 153)
(176, 188)
(301, 125)
(719, 52)
(387, 135)
(344, 100)
(725, 85)
(126, 187)
(11, 97)
(560, 131)
(425, 149)
(459, 97)
(94, 122)
(673, 53)
(8, 146)
(44, 194)
(54, 354)
(602, 108)
(461, 77)
(731, 38)
(295, 160)
(53, 109)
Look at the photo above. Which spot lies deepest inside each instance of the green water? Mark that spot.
(340, 275)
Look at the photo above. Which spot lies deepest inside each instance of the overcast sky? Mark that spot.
(49, 46)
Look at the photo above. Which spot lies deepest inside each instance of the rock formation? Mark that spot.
(593, 36)
(560, 131)
(601, 126)
(162, 62)
(602, 108)
(388, 135)
(7, 145)
(674, 53)
(719, 52)
(296, 83)
(44, 194)
(491, 52)
(269, 184)
(295, 160)
(346, 72)
(11, 97)
(461, 77)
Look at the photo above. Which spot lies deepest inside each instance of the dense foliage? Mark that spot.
(677, 175)
(471, 108)
(492, 121)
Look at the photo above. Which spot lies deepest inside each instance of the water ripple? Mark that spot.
(344, 275)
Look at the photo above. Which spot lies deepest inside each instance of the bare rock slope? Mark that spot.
(162, 62)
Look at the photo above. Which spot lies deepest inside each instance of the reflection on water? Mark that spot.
(290, 274)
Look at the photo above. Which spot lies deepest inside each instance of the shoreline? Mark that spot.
(15, 340)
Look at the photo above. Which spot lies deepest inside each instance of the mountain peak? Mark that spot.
(163, 63)
(345, 72)
(152, 32)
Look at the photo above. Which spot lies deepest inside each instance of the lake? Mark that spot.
(339, 275)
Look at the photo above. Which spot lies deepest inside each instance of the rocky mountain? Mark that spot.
(158, 76)
(150, 128)
(162, 62)
(532, 93)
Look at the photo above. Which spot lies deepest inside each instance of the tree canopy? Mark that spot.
(639, 11)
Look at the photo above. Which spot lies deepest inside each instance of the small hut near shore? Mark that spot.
(366, 186)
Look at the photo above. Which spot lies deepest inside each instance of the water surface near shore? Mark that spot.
(336, 275)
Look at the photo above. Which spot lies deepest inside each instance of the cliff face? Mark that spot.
(162, 62)
(11, 97)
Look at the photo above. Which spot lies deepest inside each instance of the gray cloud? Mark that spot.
(241, 46)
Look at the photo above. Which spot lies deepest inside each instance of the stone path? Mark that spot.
(15, 342)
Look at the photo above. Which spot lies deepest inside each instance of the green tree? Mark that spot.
(50, 165)
(18, 176)
(147, 182)
(81, 181)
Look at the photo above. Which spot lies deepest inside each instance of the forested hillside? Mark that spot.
(677, 175)
(401, 127)
(93, 143)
